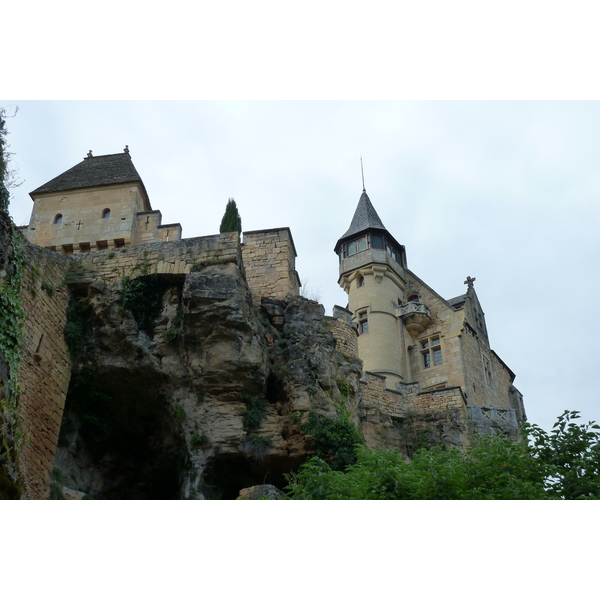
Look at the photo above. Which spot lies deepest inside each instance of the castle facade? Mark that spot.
(427, 362)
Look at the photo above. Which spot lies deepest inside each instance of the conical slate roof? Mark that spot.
(365, 217)
(93, 171)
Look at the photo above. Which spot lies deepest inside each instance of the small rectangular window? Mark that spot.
(363, 323)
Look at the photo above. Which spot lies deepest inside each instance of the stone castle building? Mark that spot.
(427, 365)
(100, 203)
(416, 342)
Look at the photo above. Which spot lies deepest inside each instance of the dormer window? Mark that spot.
(58, 219)
(106, 213)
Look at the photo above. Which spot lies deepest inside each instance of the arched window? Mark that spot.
(58, 218)
(106, 213)
(413, 298)
(361, 281)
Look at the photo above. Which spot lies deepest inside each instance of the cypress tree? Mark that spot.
(231, 219)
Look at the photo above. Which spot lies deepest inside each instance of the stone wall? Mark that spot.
(45, 369)
(408, 398)
(174, 258)
(488, 380)
(270, 262)
(345, 336)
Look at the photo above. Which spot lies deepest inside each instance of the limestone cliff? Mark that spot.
(197, 402)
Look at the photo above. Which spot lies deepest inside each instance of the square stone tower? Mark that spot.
(99, 203)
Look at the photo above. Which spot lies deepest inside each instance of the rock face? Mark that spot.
(195, 400)
(261, 492)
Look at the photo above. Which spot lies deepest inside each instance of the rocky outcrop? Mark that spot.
(261, 492)
(200, 400)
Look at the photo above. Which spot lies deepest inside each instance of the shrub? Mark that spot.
(335, 440)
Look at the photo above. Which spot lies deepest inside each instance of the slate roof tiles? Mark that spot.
(94, 171)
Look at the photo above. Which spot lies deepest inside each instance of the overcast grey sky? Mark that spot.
(507, 192)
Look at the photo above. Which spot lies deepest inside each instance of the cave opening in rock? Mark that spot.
(119, 439)
(227, 474)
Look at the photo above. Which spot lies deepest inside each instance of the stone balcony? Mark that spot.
(415, 316)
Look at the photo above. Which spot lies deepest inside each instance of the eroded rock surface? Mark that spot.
(199, 403)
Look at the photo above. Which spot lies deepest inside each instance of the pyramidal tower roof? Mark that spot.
(94, 171)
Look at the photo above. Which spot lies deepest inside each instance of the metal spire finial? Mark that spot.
(363, 174)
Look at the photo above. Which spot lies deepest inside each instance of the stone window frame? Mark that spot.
(360, 281)
(58, 219)
(431, 351)
(106, 213)
(363, 321)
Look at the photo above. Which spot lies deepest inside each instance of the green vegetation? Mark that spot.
(571, 456)
(344, 387)
(78, 311)
(562, 464)
(48, 288)
(199, 439)
(174, 332)
(260, 441)
(255, 412)
(98, 422)
(492, 469)
(4, 172)
(12, 317)
(9, 490)
(178, 413)
(143, 297)
(231, 219)
(335, 440)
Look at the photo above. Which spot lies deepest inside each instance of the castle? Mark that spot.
(426, 360)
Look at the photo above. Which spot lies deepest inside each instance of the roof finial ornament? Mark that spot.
(126, 149)
(89, 154)
(469, 282)
(363, 174)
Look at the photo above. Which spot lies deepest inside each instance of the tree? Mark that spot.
(7, 175)
(231, 219)
(570, 454)
(4, 195)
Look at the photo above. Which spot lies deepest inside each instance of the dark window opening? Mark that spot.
(58, 219)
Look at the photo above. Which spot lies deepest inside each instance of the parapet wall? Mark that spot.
(172, 258)
(408, 399)
(270, 263)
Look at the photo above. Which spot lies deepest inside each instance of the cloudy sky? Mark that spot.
(504, 191)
